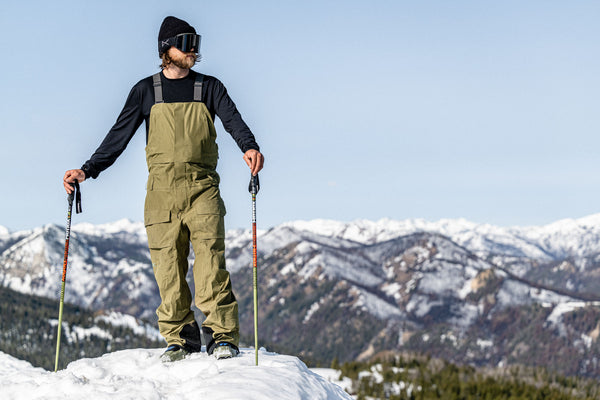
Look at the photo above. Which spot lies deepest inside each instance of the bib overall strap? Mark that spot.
(158, 96)
(198, 87)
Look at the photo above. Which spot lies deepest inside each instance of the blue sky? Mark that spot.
(363, 109)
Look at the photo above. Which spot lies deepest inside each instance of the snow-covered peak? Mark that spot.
(366, 231)
(139, 374)
(4, 231)
(564, 238)
(121, 226)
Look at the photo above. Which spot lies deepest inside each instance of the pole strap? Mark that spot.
(78, 209)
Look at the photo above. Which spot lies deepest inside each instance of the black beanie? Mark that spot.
(170, 27)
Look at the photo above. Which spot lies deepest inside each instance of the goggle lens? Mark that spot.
(187, 41)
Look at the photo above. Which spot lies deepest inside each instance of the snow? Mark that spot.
(4, 231)
(391, 388)
(449, 337)
(446, 279)
(351, 268)
(121, 226)
(465, 314)
(555, 316)
(313, 308)
(75, 333)
(420, 305)
(561, 239)
(374, 373)
(547, 296)
(466, 289)
(513, 293)
(138, 374)
(392, 290)
(333, 376)
(289, 268)
(138, 327)
(587, 340)
(376, 306)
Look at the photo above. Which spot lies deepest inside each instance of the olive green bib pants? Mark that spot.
(183, 205)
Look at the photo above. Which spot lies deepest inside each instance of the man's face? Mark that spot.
(181, 59)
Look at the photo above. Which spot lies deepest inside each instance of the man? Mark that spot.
(183, 202)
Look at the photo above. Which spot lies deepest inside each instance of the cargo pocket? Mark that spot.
(208, 226)
(211, 206)
(157, 226)
(208, 199)
(208, 213)
(161, 177)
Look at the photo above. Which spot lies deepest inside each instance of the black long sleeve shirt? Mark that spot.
(137, 109)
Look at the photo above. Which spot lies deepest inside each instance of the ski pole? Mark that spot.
(253, 187)
(77, 194)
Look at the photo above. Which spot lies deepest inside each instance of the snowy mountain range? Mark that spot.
(469, 292)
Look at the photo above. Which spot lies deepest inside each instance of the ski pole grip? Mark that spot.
(70, 197)
(254, 184)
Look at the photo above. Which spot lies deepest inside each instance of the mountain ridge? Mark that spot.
(443, 288)
(366, 231)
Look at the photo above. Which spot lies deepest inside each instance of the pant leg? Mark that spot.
(168, 241)
(213, 291)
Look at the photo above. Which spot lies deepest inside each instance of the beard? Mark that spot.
(185, 61)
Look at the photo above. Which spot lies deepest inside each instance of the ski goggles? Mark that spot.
(184, 42)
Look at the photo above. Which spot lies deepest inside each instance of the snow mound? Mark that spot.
(138, 374)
